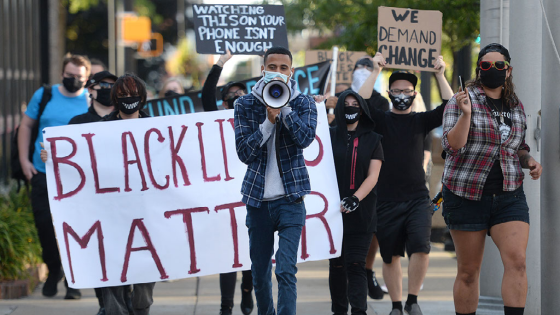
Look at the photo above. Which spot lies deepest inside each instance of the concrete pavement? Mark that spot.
(201, 296)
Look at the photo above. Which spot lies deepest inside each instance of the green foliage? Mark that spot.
(19, 243)
(353, 23)
(75, 6)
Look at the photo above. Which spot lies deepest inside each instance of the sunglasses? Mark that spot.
(486, 65)
(105, 85)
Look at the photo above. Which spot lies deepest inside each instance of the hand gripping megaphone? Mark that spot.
(276, 94)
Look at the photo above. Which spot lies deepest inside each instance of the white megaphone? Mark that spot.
(276, 94)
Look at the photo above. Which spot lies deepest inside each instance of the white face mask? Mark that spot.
(358, 78)
(270, 75)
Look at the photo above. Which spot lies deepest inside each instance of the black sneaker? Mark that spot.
(71, 294)
(225, 311)
(374, 290)
(246, 301)
(50, 287)
(101, 311)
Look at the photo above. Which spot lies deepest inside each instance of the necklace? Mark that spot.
(501, 112)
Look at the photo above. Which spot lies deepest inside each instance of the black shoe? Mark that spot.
(374, 290)
(101, 311)
(71, 294)
(246, 302)
(225, 311)
(50, 287)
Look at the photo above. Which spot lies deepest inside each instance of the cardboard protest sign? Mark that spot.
(310, 80)
(241, 29)
(409, 39)
(346, 62)
(151, 199)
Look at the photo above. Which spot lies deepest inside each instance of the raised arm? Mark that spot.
(444, 87)
(248, 141)
(456, 123)
(209, 87)
(378, 64)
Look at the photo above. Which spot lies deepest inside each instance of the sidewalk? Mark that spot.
(201, 296)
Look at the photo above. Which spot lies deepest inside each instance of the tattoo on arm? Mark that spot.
(524, 160)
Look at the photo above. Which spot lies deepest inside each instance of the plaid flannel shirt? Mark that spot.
(249, 113)
(467, 168)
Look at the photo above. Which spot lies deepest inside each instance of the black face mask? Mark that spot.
(171, 93)
(351, 114)
(402, 102)
(72, 85)
(493, 78)
(231, 101)
(129, 105)
(104, 97)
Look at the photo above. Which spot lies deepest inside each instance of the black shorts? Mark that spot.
(404, 224)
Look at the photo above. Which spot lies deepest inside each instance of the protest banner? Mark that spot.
(154, 199)
(241, 29)
(345, 63)
(310, 80)
(409, 39)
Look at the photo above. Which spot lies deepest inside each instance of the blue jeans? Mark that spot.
(288, 219)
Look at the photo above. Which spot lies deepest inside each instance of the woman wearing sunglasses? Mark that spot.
(484, 137)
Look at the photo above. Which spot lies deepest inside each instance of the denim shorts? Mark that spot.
(477, 215)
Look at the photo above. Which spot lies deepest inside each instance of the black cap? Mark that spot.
(365, 61)
(96, 78)
(229, 85)
(494, 47)
(403, 75)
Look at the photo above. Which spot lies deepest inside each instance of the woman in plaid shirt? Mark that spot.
(484, 138)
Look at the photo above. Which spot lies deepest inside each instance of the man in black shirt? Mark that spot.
(403, 207)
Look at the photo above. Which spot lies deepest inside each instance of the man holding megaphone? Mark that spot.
(273, 124)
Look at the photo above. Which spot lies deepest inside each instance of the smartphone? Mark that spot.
(461, 83)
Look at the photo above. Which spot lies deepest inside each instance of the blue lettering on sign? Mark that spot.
(168, 110)
(250, 85)
(184, 99)
(312, 80)
(150, 110)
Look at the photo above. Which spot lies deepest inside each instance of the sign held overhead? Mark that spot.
(241, 29)
(409, 39)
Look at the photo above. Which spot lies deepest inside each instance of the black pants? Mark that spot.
(43, 222)
(347, 275)
(227, 286)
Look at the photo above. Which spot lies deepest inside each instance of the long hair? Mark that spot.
(508, 92)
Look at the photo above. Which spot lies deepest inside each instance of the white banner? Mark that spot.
(154, 199)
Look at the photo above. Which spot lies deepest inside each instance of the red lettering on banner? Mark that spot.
(220, 121)
(93, 160)
(320, 216)
(203, 158)
(319, 157)
(231, 121)
(233, 221)
(187, 219)
(128, 162)
(176, 159)
(138, 223)
(65, 160)
(84, 241)
(160, 138)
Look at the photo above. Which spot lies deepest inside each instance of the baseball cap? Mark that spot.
(96, 78)
(365, 61)
(494, 47)
(403, 75)
(230, 84)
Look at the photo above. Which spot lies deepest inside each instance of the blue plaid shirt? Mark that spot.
(249, 113)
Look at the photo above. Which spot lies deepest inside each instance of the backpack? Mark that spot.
(17, 171)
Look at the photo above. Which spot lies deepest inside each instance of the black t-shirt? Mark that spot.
(495, 182)
(402, 176)
(90, 116)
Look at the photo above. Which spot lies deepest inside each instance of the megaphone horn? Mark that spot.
(276, 94)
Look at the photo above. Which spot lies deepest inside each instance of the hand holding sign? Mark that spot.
(379, 61)
(440, 65)
(224, 58)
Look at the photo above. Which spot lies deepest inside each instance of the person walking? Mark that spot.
(358, 156)
(484, 130)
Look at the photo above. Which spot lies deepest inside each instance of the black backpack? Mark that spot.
(17, 171)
